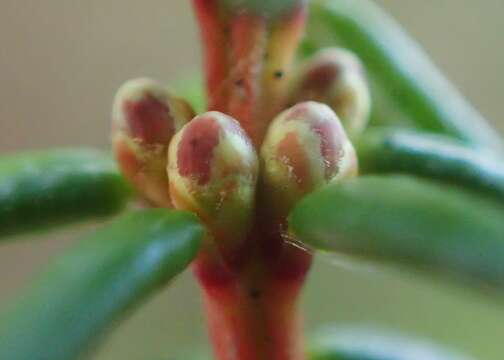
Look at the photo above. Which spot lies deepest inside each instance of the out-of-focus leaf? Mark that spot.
(192, 90)
(430, 156)
(407, 87)
(84, 292)
(40, 190)
(361, 343)
(407, 221)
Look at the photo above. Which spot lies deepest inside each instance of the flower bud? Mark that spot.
(145, 117)
(212, 167)
(337, 78)
(305, 147)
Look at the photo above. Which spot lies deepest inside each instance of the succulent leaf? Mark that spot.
(82, 294)
(407, 221)
(46, 189)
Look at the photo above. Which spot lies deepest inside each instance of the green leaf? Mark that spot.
(361, 343)
(430, 156)
(83, 293)
(40, 190)
(406, 84)
(407, 221)
(192, 90)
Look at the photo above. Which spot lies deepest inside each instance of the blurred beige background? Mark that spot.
(60, 63)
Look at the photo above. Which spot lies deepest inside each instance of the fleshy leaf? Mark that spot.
(407, 86)
(44, 189)
(410, 222)
(362, 343)
(83, 293)
(438, 157)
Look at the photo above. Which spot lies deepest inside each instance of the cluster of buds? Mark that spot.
(273, 133)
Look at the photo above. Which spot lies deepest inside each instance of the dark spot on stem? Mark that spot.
(255, 293)
(239, 82)
(278, 74)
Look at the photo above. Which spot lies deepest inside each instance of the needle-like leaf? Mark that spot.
(361, 343)
(406, 82)
(432, 156)
(84, 292)
(407, 221)
(44, 189)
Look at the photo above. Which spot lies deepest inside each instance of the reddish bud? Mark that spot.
(212, 167)
(337, 78)
(305, 148)
(145, 118)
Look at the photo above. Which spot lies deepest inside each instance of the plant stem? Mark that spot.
(214, 33)
(248, 41)
(252, 308)
(251, 296)
(247, 57)
(285, 34)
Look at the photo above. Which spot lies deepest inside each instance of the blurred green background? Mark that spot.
(60, 63)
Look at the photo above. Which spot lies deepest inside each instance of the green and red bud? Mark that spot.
(145, 117)
(212, 169)
(305, 148)
(337, 78)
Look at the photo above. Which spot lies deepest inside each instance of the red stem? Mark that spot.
(214, 33)
(248, 40)
(252, 308)
(243, 328)
(251, 299)
(285, 35)
(247, 62)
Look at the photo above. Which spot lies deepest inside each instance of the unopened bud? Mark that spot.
(305, 148)
(212, 167)
(337, 78)
(145, 117)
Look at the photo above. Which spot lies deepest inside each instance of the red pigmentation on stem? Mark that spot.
(250, 272)
(214, 32)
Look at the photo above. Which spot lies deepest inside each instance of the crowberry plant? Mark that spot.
(305, 145)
